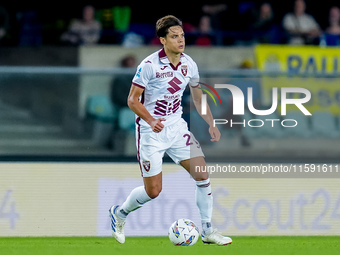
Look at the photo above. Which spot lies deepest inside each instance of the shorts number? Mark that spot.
(188, 143)
(188, 140)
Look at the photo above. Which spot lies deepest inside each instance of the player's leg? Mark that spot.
(141, 195)
(153, 185)
(150, 162)
(186, 151)
(136, 199)
(185, 147)
(204, 200)
(203, 194)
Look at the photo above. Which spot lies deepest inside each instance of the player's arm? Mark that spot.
(197, 98)
(139, 109)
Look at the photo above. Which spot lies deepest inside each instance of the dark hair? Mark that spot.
(163, 25)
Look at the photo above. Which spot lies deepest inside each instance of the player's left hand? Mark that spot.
(214, 133)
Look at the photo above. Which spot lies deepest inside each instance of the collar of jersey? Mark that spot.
(164, 59)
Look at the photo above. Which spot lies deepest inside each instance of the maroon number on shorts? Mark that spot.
(197, 144)
(188, 139)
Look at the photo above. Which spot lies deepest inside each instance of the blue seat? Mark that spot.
(100, 107)
(126, 119)
(332, 40)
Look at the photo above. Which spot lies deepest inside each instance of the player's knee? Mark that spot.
(201, 178)
(154, 192)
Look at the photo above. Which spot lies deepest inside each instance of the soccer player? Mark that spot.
(155, 97)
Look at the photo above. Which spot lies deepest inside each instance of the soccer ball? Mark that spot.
(183, 232)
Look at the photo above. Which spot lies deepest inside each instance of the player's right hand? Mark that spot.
(157, 125)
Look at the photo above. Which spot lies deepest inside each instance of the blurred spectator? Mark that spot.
(301, 27)
(204, 32)
(216, 13)
(120, 88)
(86, 30)
(4, 22)
(262, 21)
(263, 17)
(334, 21)
(30, 28)
(121, 84)
(132, 40)
(121, 18)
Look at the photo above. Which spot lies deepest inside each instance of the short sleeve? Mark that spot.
(195, 78)
(288, 22)
(143, 75)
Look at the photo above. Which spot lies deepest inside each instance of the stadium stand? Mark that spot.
(22, 134)
(324, 125)
(303, 128)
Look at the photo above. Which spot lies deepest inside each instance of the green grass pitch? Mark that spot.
(323, 245)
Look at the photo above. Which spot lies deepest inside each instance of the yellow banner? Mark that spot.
(298, 59)
(302, 60)
(325, 92)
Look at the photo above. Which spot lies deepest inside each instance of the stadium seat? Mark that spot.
(270, 129)
(332, 40)
(100, 107)
(324, 125)
(249, 131)
(302, 130)
(126, 119)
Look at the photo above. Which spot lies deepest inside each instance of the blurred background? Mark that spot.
(66, 70)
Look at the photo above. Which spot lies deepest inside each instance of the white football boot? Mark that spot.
(117, 225)
(216, 238)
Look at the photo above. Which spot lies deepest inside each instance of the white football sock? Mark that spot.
(204, 201)
(137, 198)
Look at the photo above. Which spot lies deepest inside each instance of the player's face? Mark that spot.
(174, 40)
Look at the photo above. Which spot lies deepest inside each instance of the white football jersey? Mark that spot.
(163, 86)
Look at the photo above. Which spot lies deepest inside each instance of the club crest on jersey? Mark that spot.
(184, 70)
(146, 164)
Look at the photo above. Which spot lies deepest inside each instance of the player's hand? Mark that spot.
(215, 134)
(156, 125)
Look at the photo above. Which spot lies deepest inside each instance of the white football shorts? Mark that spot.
(176, 140)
